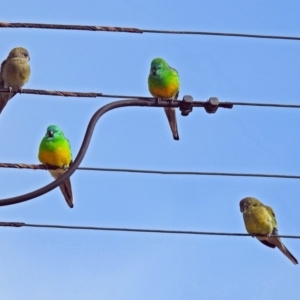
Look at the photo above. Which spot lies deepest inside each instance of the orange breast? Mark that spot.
(165, 92)
(60, 157)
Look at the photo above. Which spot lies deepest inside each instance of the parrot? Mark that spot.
(164, 83)
(260, 220)
(55, 151)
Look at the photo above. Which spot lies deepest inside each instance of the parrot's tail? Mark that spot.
(66, 189)
(285, 251)
(171, 115)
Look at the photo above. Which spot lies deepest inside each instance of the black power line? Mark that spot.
(154, 172)
(196, 103)
(137, 230)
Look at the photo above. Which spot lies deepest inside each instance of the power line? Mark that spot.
(266, 104)
(70, 27)
(140, 31)
(163, 231)
(192, 173)
(196, 103)
(154, 172)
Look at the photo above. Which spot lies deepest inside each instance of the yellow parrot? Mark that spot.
(260, 220)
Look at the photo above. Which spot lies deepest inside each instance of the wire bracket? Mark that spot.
(186, 105)
(211, 105)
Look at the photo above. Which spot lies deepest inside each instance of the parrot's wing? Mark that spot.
(4, 97)
(272, 214)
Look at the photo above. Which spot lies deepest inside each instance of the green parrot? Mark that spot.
(55, 151)
(164, 83)
(15, 72)
(260, 219)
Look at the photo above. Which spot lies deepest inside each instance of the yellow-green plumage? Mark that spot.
(55, 151)
(260, 220)
(164, 83)
(164, 87)
(15, 72)
(54, 154)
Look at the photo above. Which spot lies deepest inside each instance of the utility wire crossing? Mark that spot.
(136, 230)
(140, 31)
(154, 172)
(227, 104)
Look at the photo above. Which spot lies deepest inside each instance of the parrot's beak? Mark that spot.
(153, 71)
(244, 205)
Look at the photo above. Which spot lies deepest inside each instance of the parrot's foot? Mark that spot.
(159, 100)
(20, 90)
(10, 89)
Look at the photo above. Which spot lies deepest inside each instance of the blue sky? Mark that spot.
(62, 264)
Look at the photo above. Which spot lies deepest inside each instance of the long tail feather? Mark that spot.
(65, 187)
(171, 115)
(284, 250)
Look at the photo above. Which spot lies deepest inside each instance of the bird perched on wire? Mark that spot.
(164, 83)
(55, 151)
(15, 72)
(260, 220)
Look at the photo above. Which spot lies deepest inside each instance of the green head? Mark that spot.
(53, 132)
(19, 52)
(249, 202)
(158, 66)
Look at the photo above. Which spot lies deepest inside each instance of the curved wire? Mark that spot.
(84, 146)
(88, 136)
